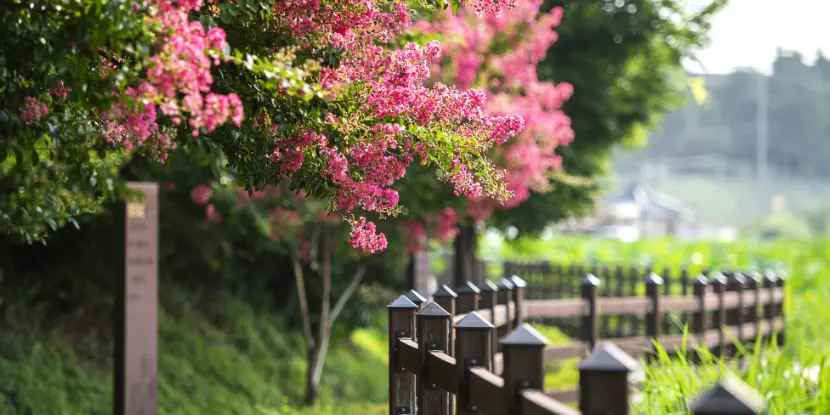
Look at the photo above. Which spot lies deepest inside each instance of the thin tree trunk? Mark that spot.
(302, 296)
(465, 255)
(316, 357)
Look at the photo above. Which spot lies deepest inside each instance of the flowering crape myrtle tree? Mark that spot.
(308, 91)
(499, 55)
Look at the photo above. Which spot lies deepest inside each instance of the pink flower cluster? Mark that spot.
(181, 67)
(514, 88)
(364, 236)
(388, 85)
(33, 109)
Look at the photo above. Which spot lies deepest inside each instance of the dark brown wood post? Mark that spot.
(524, 365)
(473, 348)
(135, 328)
(489, 292)
(518, 298)
(607, 284)
(416, 298)
(590, 317)
(780, 309)
(735, 317)
(401, 383)
(770, 284)
(445, 297)
(505, 296)
(619, 291)
(633, 280)
(487, 296)
(718, 282)
(468, 297)
(653, 317)
(701, 316)
(754, 282)
(730, 396)
(684, 282)
(665, 319)
(603, 381)
(433, 335)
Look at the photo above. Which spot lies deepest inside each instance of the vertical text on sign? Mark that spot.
(136, 325)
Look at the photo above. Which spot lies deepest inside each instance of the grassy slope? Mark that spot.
(225, 358)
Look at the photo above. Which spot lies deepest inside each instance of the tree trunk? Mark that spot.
(318, 347)
(465, 268)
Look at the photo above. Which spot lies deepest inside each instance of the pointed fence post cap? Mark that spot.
(467, 288)
(716, 278)
(738, 277)
(771, 276)
(754, 276)
(488, 287)
(415, 297)
(608, 357)
(525, 335)
(518, 282)
(444, 292)
(433, 310)
(473, 321)
(654, 279)
(729, 396)
(505, 284)
(701, 280)
(402, 303)
(590, 279)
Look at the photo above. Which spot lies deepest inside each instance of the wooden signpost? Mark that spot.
(136, 317)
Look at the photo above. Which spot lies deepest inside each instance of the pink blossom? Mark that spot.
(200, 195)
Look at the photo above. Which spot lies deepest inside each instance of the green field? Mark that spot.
(219, 355)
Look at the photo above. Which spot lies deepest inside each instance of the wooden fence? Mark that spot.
(432, 361)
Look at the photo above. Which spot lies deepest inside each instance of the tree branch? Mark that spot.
(346, 294)
(303, 297)
(325, 304)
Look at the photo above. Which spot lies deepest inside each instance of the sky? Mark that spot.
(747, 32)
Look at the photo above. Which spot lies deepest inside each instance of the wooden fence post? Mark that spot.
(754, 284)
(770, 283)
(729, 397)
(433, 335)
(401, 383)
(633, 280)
(653, 317)
(684, 284)
(416, 298)
(505, 296)
(603, 381)
(468, 297)
(736, 282)
(518, 298)
(718, 281)
(473, 348)
(445, 297)
(619, 291)
(701, 316)
(665, 320)
(780, 310)
(605, 321)
(524, 365)
(590, 319)
(487, 297)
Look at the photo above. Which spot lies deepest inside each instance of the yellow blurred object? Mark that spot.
(698, 87)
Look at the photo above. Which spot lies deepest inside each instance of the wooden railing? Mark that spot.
(450, 350)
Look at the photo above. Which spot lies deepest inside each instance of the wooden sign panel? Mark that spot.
(136, 322)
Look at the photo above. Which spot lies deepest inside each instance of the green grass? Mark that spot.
(219, 355)
(225, 358)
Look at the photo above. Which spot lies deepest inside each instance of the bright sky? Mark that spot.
(747, 32)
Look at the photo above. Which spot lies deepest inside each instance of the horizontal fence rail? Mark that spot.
(469, 351)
